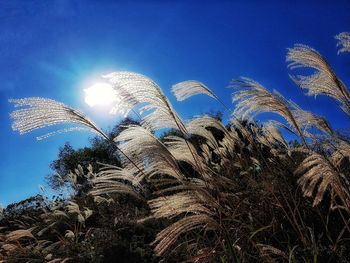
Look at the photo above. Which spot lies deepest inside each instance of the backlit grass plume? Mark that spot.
(137, 89)
(324, 81)
(186, 89)
(112, 179)
(148, 152)
(251, 98)
(37, 113)
(320, 174)
(343, 42)
(307, 120)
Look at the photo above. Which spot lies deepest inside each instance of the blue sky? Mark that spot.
(57, 48)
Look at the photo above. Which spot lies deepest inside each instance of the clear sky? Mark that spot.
(57, 48)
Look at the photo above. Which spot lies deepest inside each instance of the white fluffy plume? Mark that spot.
(185, 89)
(136, 89)
(148, 152)
(343, 41)
(324, 81)
(36, 113)
(252, 99)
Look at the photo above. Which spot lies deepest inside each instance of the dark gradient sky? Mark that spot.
(56, 48)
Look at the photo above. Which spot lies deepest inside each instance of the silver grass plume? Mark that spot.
(272, 135)
(185, 89)
(17, 234)
(148, 152)
(343, 41)
(41, 112)
(111, 179)
(37, 113)
(319, 174)
(179, 203)
(141, 90)
(196, 206)
(168, 236)
(108, 171)
(189, 88)
(252, 99)
(206, 121)
(9, 248)
(306, 120)
(324, 81)
(193, 202)
(342, 152)
(185, 151)
(267, 251)
(198, 127)
(137, 89)
(170, 185)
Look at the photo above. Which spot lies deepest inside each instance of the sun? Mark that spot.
(100, 94)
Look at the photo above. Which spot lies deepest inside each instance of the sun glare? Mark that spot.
(100, 94)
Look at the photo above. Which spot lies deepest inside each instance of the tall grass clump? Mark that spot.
(209, 191)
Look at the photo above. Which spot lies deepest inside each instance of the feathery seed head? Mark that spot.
(323, 81)
(36, 113)
(189, 88)
(343, 41)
